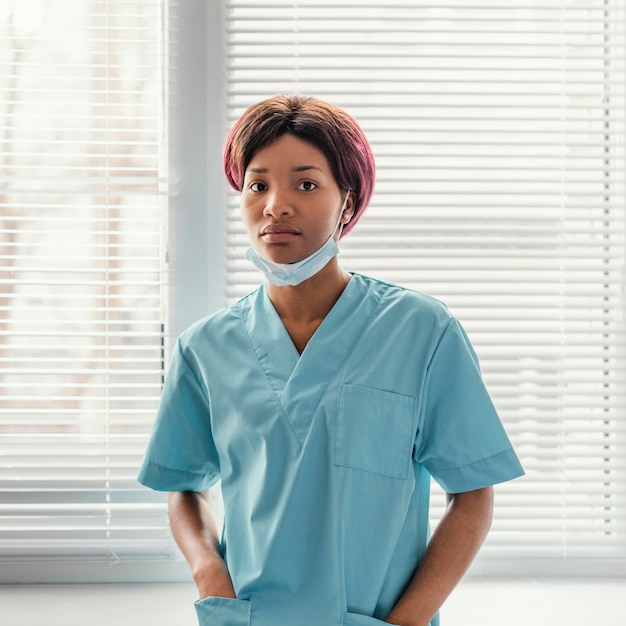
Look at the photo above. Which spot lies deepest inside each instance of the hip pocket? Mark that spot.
(374, 431)
(354, 619)
(214, 611)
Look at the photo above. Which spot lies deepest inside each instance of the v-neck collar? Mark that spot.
(299, 380)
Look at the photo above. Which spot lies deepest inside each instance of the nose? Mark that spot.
(277, 205)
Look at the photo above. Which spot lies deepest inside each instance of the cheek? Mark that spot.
(244, 215)
(246, 208)
(249, 215)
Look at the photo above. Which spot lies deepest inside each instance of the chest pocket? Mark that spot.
(374, 431)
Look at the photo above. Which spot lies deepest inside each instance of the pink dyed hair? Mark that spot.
(327, 127)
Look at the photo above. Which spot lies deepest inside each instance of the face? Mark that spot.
(290, 201)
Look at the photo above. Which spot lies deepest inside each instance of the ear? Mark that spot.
(348, 212)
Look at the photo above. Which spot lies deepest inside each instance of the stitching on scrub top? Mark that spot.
(269, 382)
(173, 469)
(377, 298)
(478, 462)
(423, 393)
(201, 385)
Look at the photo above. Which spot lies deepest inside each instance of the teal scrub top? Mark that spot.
(325, 458)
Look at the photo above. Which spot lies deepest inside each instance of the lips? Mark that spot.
(279, 229)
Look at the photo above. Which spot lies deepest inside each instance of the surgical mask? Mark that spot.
(292, 274)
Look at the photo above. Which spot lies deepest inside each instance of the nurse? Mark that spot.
(324, 402)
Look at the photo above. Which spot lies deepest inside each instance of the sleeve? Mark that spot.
(460, 438)
(181, 453)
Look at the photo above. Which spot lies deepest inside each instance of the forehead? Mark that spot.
(288, 152)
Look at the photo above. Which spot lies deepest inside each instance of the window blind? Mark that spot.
(498, 132)
(83, 199)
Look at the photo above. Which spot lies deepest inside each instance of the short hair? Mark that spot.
(327, 127)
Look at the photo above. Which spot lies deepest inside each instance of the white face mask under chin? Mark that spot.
(292, 274)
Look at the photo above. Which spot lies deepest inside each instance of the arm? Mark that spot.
(195, 532)
(452, 547)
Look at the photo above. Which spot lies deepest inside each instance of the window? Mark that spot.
(83, 205)
(498, 131)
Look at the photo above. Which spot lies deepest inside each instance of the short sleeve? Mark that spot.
(461, 440)
(181, 453)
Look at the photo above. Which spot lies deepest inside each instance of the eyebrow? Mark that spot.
(304, 168)
(297, 168)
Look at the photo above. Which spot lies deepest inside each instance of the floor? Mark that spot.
(474, 603)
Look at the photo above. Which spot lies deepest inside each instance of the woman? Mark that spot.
(324, 402)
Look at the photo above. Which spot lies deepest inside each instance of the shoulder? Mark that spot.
(216, 326)
(407, 304)
(409, 324)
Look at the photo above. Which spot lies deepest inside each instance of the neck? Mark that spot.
(312, 299)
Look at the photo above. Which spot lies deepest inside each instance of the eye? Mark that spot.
(258, 186)
(307, 185)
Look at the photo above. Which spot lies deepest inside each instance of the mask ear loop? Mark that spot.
(339, 222)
